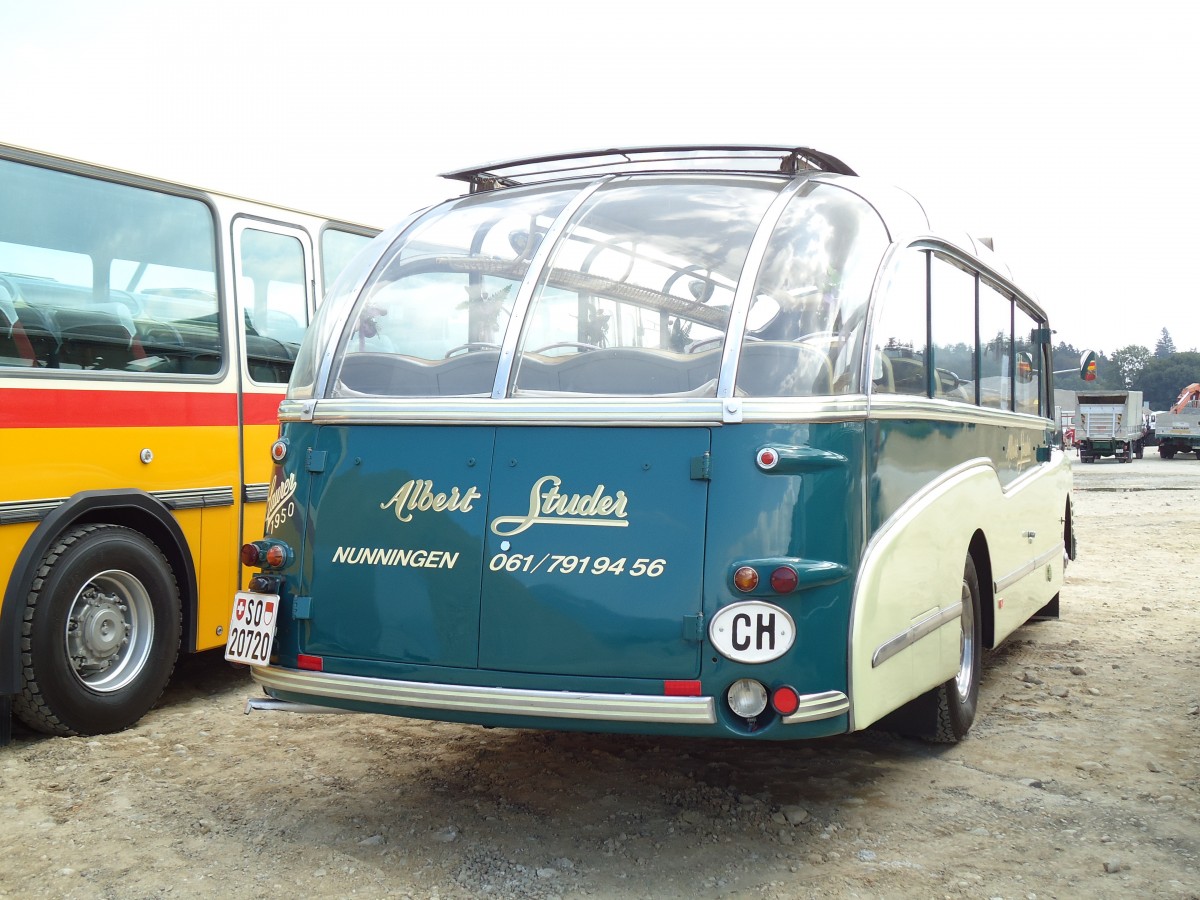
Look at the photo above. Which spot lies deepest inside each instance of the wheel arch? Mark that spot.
(133, 509)
(978, 549)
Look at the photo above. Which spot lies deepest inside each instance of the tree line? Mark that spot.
(1160, 374)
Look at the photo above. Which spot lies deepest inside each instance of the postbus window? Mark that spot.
(105, 277)
(995, 348)
(952, 317)
(273, 291)
(337, 249)
(637, 295)
(1028, 363)
(901, 332)
(804, 327)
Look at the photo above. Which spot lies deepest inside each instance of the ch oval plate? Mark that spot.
(752, 632)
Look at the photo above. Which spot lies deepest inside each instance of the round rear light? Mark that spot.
(251, 556)
(767, 458)
(276, 556)
(785, 700)
(279, 450)
(747, 698)
(745, 579)
(784, 580)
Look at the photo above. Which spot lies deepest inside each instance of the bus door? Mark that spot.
(274, 290)
(594, 552)
(402, 513)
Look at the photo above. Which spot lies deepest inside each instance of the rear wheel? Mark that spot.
(946, 713)
(100, 634)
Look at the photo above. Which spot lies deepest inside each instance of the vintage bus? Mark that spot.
(147, 331)
(707, 441)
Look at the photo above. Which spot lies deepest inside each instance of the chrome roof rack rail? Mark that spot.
(718, 158)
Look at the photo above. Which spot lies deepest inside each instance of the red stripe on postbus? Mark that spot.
(84, 408)
(261, 409)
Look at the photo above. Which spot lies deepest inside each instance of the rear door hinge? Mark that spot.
(693, 627)
(702, 467)
(315, 461)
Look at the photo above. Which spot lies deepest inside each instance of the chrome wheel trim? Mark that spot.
(109, 631)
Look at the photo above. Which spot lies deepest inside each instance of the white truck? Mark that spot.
(1179, 427)
(1109, 423)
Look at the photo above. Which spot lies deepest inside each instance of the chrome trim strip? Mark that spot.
(569, 410)
(537, 265)
(20, 511)
(897, 406)
(491, 700)
(1013, 577)
(270, 704)
(824, 705)
(256, 493)
(195, 498)
(910, 636)
(743, 294)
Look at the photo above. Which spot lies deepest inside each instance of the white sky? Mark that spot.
(1064, 130)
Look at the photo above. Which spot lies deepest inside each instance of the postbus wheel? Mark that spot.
(100, 634)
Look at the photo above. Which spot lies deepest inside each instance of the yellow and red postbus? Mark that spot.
(147, 331)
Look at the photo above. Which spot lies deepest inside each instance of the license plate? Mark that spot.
(252, 628)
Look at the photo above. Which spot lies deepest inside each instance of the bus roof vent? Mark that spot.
(733, 158)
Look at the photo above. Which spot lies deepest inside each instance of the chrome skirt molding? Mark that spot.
(825, 705)
(1055, 552)
(910, 636)
(256, 493)
(574, 410)
(492, 701)
(21, 511)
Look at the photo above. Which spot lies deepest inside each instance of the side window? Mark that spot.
(272, 286)
(952, 301)
(899, 344)
(337, 249)
(1028, 369)
(995, 348)
(105, 276)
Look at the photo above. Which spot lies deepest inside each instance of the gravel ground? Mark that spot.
(1081, 777)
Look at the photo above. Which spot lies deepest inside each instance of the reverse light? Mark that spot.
(745, 579)
(747, 698)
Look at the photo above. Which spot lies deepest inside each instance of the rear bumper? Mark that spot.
(520, 704)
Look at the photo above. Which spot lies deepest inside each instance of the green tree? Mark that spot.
(1162, 378)
(1165, 346)
(1130, 361)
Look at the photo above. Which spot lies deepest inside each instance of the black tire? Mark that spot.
(945, 714)
(100, 634)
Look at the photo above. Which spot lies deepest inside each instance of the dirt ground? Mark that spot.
(1080, 779)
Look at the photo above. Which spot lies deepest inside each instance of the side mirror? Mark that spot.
(1025, 367)
(1087, 366)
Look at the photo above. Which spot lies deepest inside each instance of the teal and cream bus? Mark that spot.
(711, 441)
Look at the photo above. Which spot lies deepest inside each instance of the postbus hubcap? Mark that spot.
(110, 630)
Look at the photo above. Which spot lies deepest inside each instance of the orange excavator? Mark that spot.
(1190, 396)
(1178, 430)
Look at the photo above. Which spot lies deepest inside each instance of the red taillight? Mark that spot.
(279, 450)
(313, 663)
(251, 555)
(681, 688)
(276, 556)
(784, 580)
(767, 458)
(785, 700)
(745, 579)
